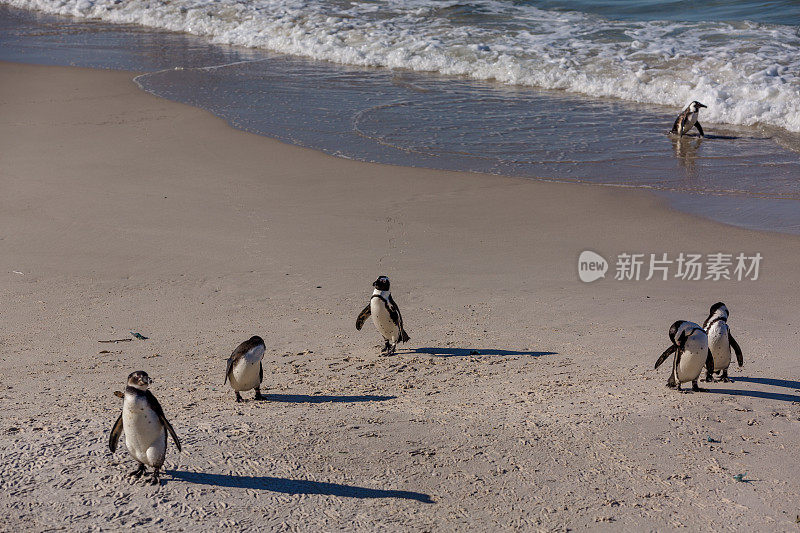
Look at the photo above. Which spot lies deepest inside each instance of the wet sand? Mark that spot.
(525, 399)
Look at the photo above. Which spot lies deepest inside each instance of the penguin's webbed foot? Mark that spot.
(386, 348)
(238, 397)
(391, 349)
(259, 396)
(709, 378)
(696, 387)
(725, 378)
(138, 472)
(154, 479)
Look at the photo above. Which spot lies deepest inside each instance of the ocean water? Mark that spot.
(742, 59)
(574, 91)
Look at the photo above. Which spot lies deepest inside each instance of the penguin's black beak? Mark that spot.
(375, 283)
(701, 105)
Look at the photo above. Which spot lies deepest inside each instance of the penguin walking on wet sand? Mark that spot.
(721, 341)
(690, 345)
(688, 120)
(145, 426)
(244, 369)
(385, 315)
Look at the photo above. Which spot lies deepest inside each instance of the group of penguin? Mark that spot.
(146, 427)
(697, 346)
(143, 419)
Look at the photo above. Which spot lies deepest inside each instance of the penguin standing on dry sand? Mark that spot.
(688, 120)
(690, 345)
(145, 426)
(385, 315)
(244, 369)
(720, 341)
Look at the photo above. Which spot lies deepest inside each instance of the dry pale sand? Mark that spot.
(123, 212)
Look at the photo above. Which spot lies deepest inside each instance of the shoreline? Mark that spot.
(127, 212)
(741, 176)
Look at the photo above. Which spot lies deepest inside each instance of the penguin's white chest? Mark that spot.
(383, 321)
(246, 373)
(145, 436)
(689, 122)
(719, 344)
(693, 358)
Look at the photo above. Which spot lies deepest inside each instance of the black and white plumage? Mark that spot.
(688, 120)
(244, 370)
(385, 315)
(690, 346)
(721, 341)
(145, 426)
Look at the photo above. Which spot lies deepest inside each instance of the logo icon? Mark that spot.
(591, 266)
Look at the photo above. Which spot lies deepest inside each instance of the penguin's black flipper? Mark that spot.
(363, 316)
(116, 431)
(736, 349)
(398, 318)
(699, 128)
(260, 373)
(676, 362)
(676, 128)
(174, 436)
(228, 369)
(155, 406)
(172, 432)
(666, 354)
(709, 363)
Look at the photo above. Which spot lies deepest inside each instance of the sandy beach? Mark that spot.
(525, 400)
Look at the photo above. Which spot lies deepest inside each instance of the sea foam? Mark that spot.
(746, 73)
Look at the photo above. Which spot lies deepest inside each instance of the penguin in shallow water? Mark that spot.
(688, 120)
(721, 341)
(690, 345)
(244, 369)
(385, 315)
(145, 426)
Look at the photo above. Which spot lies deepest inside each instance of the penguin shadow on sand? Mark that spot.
(466, 352)
(322, 398)
(295, 486)
(767, 395)
(731, 137)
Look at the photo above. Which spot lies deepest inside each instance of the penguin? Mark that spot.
(145, 426)
(687, 120)
(244, 368)
(721, 341)
(385, 315)
(690, 344)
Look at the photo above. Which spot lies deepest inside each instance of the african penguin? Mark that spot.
(244, 368)
(385, 315)
(690, 344)
(145, 426)
(687, 120)
(721, 341)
